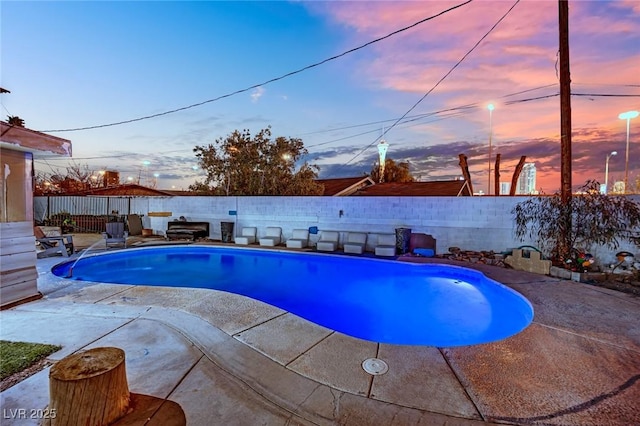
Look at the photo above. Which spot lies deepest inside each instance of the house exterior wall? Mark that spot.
(18, 275)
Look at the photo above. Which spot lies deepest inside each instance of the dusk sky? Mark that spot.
(73, 65)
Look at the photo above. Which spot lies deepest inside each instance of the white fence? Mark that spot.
(47, 206)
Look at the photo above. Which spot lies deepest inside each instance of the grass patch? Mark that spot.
(17, 356)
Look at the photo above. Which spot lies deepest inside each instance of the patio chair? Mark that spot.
(300, 239)
(386, 245)
(116, 235)
(248, 236)
(134, 224)
(53, 245)
(328, 241)
(355, 242)
(273, 237)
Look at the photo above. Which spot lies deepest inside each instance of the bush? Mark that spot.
(563, 230)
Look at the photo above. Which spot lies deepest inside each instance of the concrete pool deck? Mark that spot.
(226, 359)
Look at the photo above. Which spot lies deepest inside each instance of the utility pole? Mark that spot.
(565, 102)
(564, 245)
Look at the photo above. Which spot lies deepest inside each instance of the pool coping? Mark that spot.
(585, 338)
(451, 271)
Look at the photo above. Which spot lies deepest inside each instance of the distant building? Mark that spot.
(505, 187)
(618, 187)
(111, 178)
(527, 180)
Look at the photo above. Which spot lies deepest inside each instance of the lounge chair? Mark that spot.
(273, 237)
(248, 236)
(355, 242)
(116, 235)
(300, 239)
(53, 245)
(328, 241)
(386, 245)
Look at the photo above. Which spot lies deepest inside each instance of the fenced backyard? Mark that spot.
(471, 223)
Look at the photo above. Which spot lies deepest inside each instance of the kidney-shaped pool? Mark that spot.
(378, 300)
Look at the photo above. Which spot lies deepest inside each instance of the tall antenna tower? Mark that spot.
(382, 153)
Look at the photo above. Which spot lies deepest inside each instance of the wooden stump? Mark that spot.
(89, 388)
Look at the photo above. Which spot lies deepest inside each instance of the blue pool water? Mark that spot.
(377, 300)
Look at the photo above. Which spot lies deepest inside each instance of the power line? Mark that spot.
(606, 95)
(468, 106)
(289, 74)
(439, 81)
(410, 118)
(471, 106)
(537, 98)
(595, 95)
(455, 112)
(459, 111)
(529, 90)
(126, 154)
(416, 118)
(605, 84)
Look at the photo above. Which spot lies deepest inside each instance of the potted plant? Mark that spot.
(68, 225)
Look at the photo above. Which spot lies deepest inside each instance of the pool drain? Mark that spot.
(375, 366)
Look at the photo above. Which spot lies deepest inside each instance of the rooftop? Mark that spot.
(344, 186)
(417, 189)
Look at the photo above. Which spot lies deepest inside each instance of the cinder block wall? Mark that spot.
(474, 223)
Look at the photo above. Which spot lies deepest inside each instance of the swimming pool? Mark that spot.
(371, 299)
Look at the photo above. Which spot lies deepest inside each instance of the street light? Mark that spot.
(606, 171)
(145, 165)
(490, 107)
(382, 152)
(627, 116)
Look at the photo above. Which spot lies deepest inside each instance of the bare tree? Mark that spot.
(75, 178)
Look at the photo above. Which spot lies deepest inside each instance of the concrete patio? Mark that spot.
(208, 357)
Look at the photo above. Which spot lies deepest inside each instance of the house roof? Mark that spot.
(450, 188)
(344, 186)
(41, 144)
(129, 189)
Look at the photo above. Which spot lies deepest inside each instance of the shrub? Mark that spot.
(588, 218)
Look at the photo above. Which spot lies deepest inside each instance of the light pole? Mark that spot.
(490, 107)
(606, 171)
(145, 165)
(627, 116)
(382, 152)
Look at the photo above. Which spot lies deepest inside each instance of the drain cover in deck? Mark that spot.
(375, 366)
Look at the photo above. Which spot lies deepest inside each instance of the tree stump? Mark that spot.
(89, 388)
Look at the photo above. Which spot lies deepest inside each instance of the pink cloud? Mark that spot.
(520, 54)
